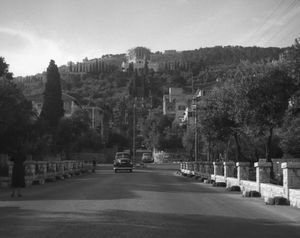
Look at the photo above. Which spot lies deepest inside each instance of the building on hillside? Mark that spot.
(97, 116)
(175, 103)
(70, 103)
(197, 102)
(97, 65)
(34, 84)
(140, 56)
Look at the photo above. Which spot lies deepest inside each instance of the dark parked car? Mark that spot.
(122, 162)
(147, 158)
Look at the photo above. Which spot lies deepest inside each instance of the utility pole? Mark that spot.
(133, 130)
(196, 134)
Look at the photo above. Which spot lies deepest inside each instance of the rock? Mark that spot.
(234, 189)
(281, 201)
(269, 201)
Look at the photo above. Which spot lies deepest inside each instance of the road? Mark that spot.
(150, 202)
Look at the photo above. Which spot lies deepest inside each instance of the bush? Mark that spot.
(234, 189)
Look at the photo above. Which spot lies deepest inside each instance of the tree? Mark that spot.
(220, 117)
(188, 141)
(69, 130)
(268, 98)
(290, 137)
(53, 109)
(15, 114)
(4, 69)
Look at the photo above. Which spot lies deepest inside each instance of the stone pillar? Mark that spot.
(263, 170)
(291, 177)
(242, 170)
(191, 167)
(181, 166)
(228, 169)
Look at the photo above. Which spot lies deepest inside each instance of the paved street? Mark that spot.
(150, 202)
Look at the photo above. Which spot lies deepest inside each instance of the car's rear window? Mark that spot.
(122, 155)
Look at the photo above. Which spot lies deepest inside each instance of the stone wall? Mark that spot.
(40, 171)
(295, 197)
(269, 190)
(232, 182)
(247, 185)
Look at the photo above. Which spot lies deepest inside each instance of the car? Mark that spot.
(122, 162)
(147, 158)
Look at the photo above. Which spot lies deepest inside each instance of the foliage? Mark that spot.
(268, 99)
(117, 139)
(53, 109)
(4, 72)
(15, 114)
(73, 134)
(188, 141)
(159, 133)
(89, 141)
(290, 137)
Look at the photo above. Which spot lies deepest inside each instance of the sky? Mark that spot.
(32, 32)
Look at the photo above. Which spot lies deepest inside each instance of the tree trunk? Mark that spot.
(269, 146)
(227, 150)
(269, 151)
(238, 148)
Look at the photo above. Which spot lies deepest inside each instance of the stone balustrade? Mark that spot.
(225, 172)
(41, 171)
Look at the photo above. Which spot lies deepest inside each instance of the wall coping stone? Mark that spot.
(243, 164)
(229, 163)
(217, 163)
(290, 165)
(263, 164)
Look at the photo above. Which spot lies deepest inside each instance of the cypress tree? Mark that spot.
(52, 109)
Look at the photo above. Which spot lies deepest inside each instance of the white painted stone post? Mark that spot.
(242, 171)
(291, 177)
(228, 169)
(263, 170)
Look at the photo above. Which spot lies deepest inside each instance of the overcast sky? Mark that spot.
(34, 31)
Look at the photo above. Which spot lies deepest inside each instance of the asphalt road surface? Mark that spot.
(150, 202)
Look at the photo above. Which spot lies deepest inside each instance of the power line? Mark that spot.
(268, 18)
(292, 5)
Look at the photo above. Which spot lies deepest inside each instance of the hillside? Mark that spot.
(104, 83)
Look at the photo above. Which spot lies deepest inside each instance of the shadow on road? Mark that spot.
(120, 223)
(106, 185)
